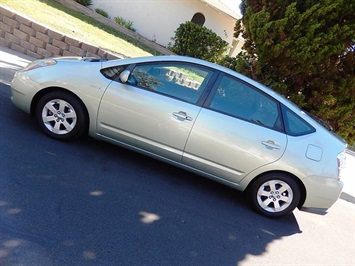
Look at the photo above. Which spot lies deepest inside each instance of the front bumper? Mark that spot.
(23, 89)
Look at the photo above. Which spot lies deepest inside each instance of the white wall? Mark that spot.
(157, 20)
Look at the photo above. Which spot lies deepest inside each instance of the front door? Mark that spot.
(156, 109)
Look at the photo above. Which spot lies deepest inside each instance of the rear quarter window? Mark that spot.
(294, 124)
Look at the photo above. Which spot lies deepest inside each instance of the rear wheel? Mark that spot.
(274, 195)
(61, 115)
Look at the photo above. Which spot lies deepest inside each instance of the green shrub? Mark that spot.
(84, 2)
(125, 23)
(101, 12)
(197, 41)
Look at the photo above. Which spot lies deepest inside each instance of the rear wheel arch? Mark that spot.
(287, 176)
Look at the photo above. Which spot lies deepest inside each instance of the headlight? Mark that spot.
(40, 63)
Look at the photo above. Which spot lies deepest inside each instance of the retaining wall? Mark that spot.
(29, 37)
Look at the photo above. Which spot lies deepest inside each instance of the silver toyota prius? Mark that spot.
(193, 114)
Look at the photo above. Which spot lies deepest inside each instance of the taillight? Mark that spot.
(341, 163)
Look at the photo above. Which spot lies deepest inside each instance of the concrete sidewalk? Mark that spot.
(11, 61)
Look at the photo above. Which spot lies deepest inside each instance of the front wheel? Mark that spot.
(61, 115)
(274, 195)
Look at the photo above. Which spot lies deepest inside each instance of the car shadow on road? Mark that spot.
(347, 197)
(92, 203)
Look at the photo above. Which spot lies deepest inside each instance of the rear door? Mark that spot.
(237, 131)
(156, 109)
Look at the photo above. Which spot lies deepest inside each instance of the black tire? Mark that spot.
(61, 116)
(274, 195)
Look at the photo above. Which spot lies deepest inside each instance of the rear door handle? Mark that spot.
(271, 144)
(181, 115)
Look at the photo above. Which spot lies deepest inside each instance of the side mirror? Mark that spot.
(124, 76)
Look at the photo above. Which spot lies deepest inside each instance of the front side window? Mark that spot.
(240, 100)
(174, 79)
(112, 72)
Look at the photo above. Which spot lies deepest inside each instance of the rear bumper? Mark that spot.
(322, 193)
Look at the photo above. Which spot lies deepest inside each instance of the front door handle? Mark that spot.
(181, 115)
(270, 144)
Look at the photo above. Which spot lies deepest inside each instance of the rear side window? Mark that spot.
(178, 80)
(294, 124)
(238, 99)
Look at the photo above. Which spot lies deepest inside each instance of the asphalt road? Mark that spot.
(91, 203)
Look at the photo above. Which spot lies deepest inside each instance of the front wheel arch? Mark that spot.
(37, 98)
(42, 92)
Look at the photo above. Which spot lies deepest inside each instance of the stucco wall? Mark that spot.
(157, 20)
(91, 13)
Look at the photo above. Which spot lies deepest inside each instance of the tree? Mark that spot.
(197, 41)
(305, 50)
